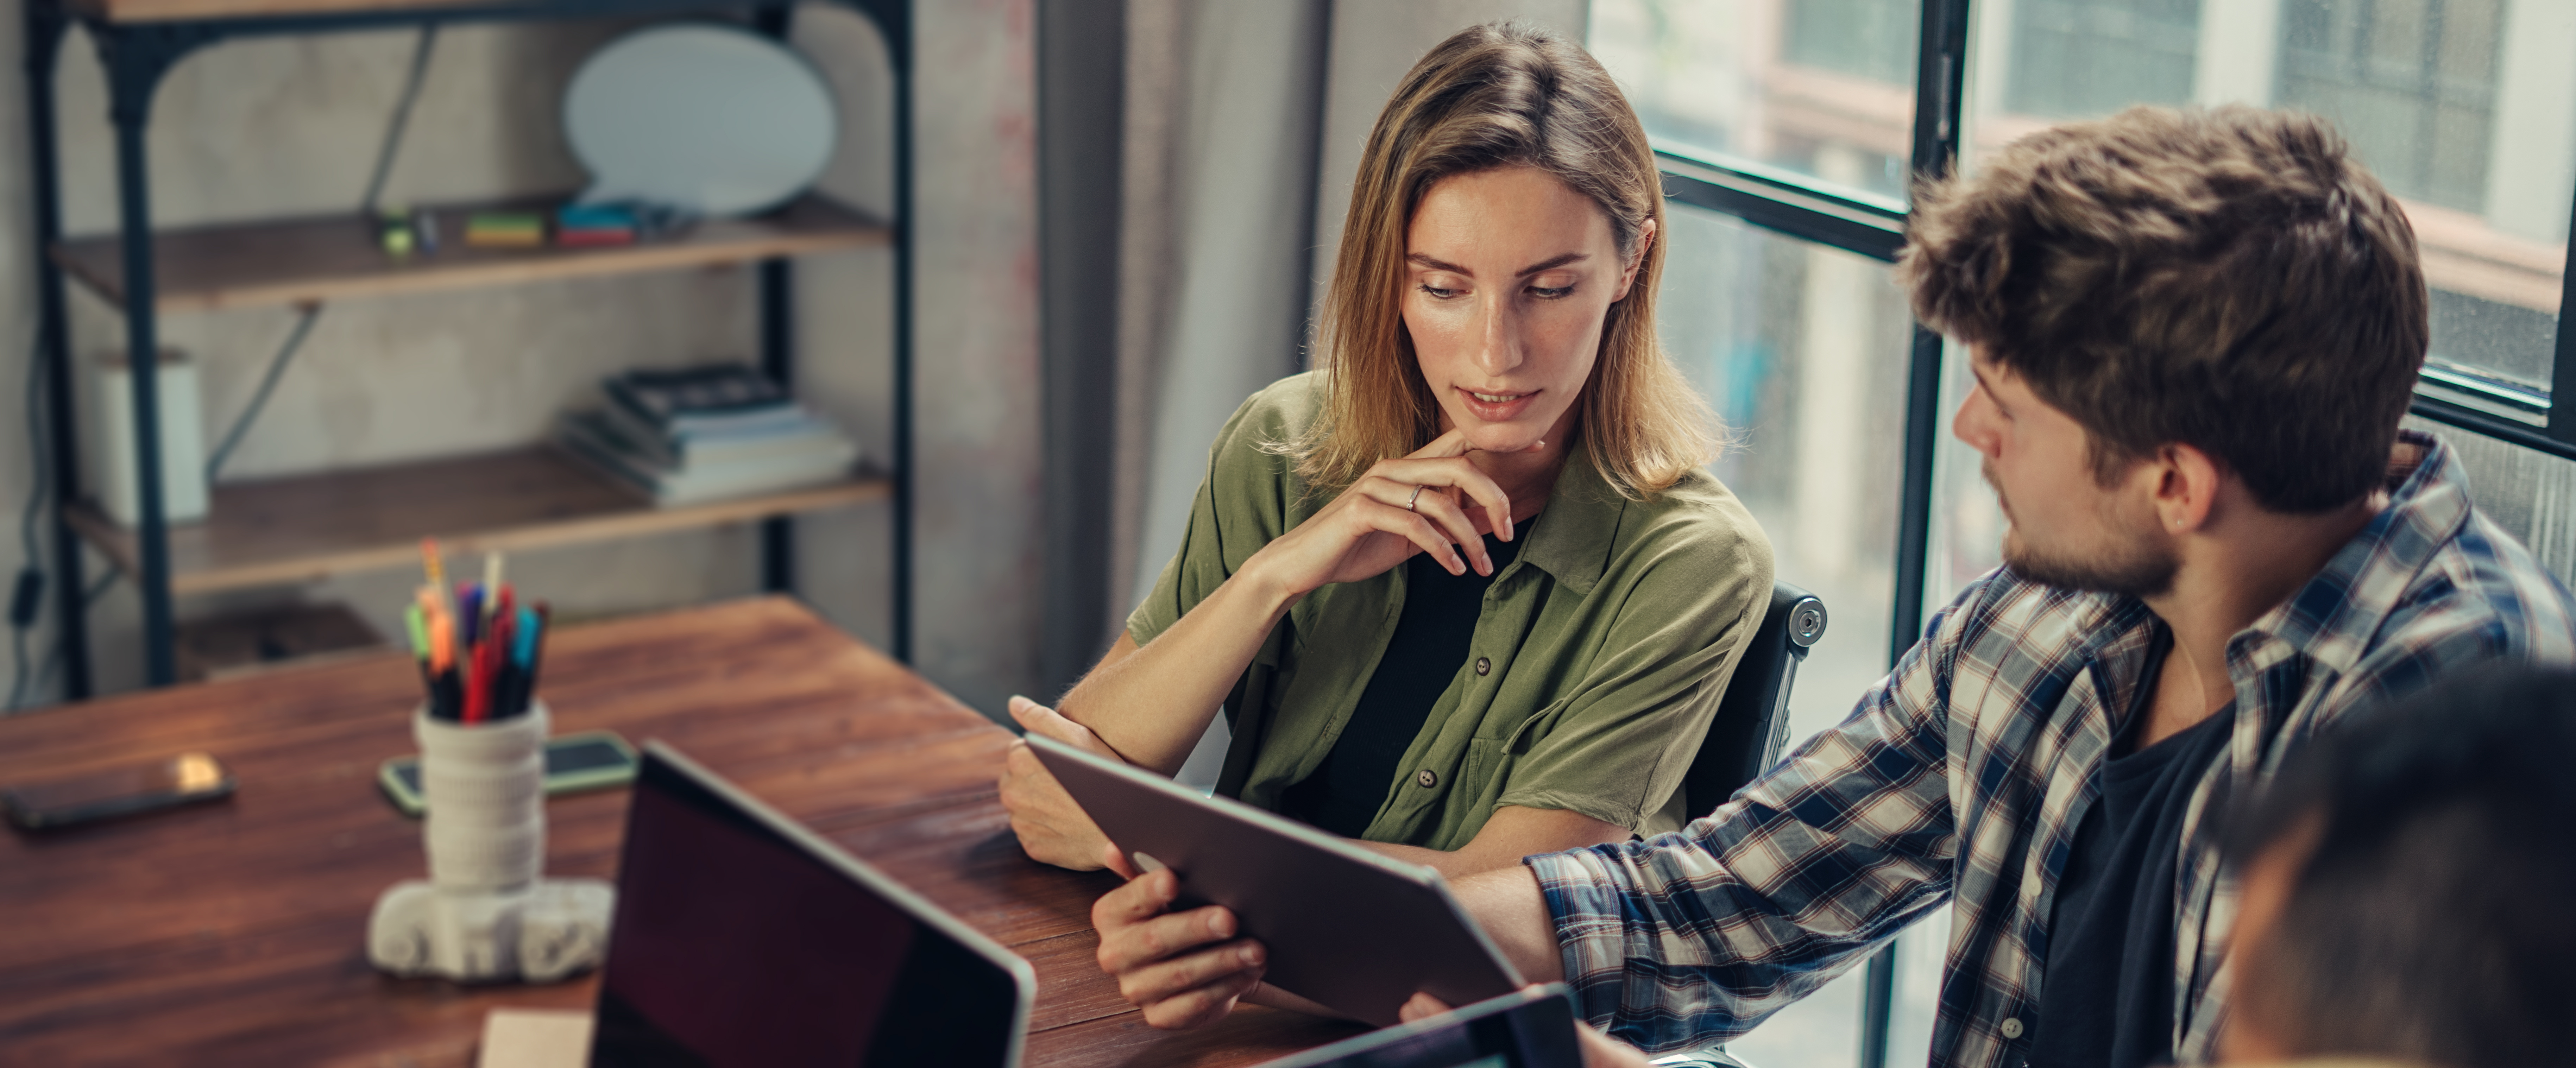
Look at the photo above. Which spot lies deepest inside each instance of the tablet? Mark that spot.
(1353, 930)
(1531, 1028)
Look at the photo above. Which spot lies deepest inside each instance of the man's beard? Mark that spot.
(2132, 565)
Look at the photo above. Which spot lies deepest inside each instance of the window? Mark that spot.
(1819, 89)
(2087, 57)
(2413, 85)
(1803, 350)
(1790, 131)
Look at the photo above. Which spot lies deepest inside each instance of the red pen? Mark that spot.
(478, 682)
(471, 668)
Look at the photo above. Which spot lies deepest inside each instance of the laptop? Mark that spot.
(742, 939)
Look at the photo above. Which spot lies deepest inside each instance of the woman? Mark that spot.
(1466, 593)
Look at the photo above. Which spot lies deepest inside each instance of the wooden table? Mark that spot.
(233, 933)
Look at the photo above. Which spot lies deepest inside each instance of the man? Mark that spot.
(2407, 885)
(2194, 333)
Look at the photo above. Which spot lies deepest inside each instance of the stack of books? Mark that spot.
(706, 433)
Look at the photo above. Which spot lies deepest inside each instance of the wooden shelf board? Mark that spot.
(335, 257)
(305, 528)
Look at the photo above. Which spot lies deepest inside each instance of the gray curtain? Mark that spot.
(1223, 108)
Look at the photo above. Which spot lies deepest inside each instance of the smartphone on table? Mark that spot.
(129, 790)
(589, 760)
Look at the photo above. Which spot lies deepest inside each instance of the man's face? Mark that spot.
(2064, 527)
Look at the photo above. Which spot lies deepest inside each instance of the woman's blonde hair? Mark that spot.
(1499, 95)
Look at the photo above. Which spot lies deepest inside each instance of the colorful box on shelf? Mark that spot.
(579, 225)
(505, 229)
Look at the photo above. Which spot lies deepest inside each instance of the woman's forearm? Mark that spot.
(1512, 832)
(1154, 702)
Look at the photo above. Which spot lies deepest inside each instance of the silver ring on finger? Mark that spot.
(1417, 495)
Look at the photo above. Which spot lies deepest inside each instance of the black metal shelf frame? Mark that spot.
(136, 56)
(1816, 211)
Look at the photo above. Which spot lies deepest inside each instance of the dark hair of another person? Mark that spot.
(2435, 920)
(2230, 279)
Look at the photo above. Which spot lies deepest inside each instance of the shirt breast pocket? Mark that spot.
(1489, 757)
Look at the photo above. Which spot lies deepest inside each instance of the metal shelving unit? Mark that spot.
(535, 501)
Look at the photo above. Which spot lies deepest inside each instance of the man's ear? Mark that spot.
(2187, 483)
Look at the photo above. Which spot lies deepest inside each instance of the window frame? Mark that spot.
(1810, 209)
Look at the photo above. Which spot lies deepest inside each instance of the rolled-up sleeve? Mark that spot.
(1696, 936)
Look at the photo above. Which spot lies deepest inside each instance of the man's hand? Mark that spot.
(1051, 827)
(1599, 1050)
(1183, 969)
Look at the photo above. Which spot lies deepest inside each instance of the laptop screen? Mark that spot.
(735, 944)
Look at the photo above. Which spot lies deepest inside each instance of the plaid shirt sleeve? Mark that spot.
(1696, 936)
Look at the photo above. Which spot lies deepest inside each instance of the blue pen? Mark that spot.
(524, 651)
(469, 609)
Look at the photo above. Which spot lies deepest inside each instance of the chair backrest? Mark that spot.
(1752, 724)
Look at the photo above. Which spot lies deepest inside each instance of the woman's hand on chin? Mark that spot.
(1428, 502)
(1052, 828)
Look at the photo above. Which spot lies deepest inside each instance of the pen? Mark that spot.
(473, 688)
(500, 676)
(418, 627)
(523, 641)
(442, 641)
(469, 614)
(435, 567)
(537, 648)
(448, 697)
(491, 584)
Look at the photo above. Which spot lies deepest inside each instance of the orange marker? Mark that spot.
(435, 567)
(442, 640)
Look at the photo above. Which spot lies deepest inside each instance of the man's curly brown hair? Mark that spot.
(2231, 279)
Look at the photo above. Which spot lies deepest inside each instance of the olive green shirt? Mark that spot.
(1597, 661)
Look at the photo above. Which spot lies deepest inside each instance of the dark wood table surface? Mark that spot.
(233, 933)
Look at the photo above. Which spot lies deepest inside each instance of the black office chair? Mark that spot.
(1752, 724)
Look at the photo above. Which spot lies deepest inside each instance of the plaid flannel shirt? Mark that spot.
(1961, 777)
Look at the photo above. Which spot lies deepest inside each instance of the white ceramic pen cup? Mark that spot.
(486, 913)
(485, 785)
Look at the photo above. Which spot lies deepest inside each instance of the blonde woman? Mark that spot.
(1465, 593)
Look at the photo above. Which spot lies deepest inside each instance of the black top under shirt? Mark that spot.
(1431, 639)
(2106, 996)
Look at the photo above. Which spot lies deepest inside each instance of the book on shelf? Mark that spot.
(713, 391)
(704, 434)
(617, 426)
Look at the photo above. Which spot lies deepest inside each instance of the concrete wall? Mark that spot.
(287, 126)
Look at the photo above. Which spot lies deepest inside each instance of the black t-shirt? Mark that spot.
(2106, 994)
(1431, 640)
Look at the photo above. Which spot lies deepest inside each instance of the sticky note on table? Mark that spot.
(535, 1038)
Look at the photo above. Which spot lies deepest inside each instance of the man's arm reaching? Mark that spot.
(1506, 902)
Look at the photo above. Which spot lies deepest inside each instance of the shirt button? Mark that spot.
(2012, 1027)
(1484, 665)
(1427, 778)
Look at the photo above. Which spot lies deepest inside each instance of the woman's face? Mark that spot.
(1509, 276)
